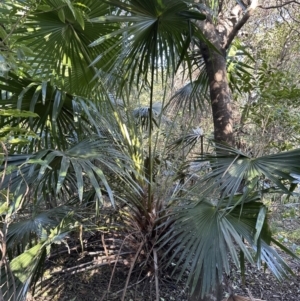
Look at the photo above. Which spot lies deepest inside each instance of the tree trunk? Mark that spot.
(220, 97)
(220, 35)
(220, 94)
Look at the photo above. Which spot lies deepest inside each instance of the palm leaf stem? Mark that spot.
(150, 116)
(131, 268)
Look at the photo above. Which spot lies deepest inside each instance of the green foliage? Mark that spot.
(71, 147)
(274, 108)
(159, 34)
(15, 134)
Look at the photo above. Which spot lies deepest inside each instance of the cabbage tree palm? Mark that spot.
(72, 89)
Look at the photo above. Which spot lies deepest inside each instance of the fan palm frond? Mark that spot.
(142, 115)
(234, 170)
(26, 268)
(190, 139)
(58, 118)
(58, 34)
(214, 216)
(158, 34)
(194, 96)
(201, 235)
(34, 226)
(55, 172)
(191, 98)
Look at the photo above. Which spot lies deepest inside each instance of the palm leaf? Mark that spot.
(26, 268)
(59, 40)
(200, 236)
(207, 227)
(63, 118)
(56, 172)
(34, 226)
(231, 170)
(190, 139)
(16, 283)
(191, 98)
(158, 36)
(142, 115)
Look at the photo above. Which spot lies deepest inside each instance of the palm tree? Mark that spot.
(70, 97)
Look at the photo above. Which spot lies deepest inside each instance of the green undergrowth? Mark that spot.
(285, 222)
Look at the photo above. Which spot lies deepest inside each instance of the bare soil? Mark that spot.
(72, 275)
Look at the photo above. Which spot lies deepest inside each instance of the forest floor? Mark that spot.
(71, 275)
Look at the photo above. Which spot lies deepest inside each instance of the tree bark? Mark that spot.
(220, 35)
(220, 94)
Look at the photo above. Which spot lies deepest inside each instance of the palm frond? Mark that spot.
(17, 276)
(190, 139)
(191, 98)
(26, 268)
(200, 236)
(158, 35)
(59, 118)
(214, 216)
(234, 170)
(58, 34)
(35, 226)
(142, 115)
(55, 172)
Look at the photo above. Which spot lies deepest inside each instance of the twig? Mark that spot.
(278, 6)
(104, 246)
(220, 6)
(241, 23)
(83, 269)
(156, 274)
(5, 163)
(250, 295)
(116, 260)
(113, 271)
(5, 262)
(3, 244)
(131, 268)
(138, 282)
